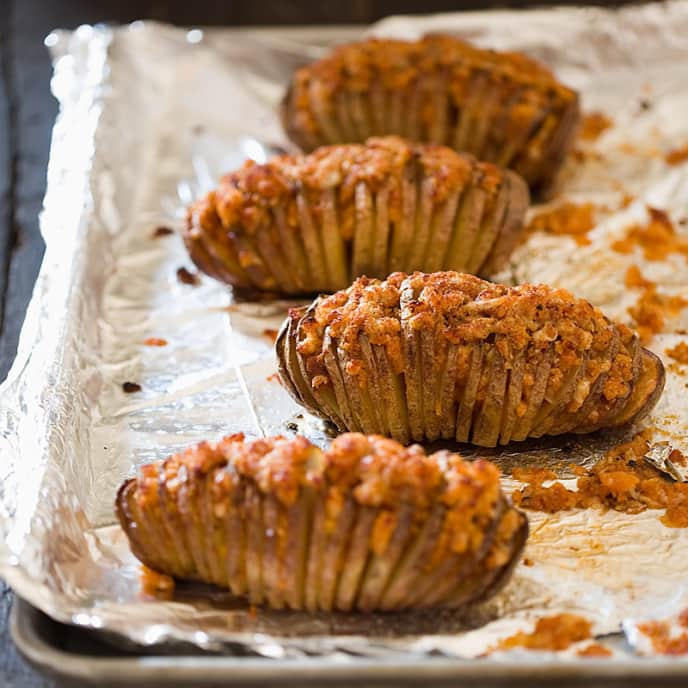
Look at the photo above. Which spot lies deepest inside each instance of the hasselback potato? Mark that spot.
(303, 224)
(503, 107)
(364, 525)
(447, 355)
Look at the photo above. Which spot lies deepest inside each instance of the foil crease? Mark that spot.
(150, 116)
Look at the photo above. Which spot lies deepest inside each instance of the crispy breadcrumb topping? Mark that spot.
(156, 585)
(595, 650)
(567, 219)
(593, 124)
(677, 155)
(621, 480)
(651, 309)
(634, 278)
(372, 470)
(397, 64)
(461, 310)
(657, 238)
(557, 632)
(650, 312)
(247, 199)
(663, 640)
(679, 352)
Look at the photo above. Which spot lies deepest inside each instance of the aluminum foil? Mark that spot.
(149, 117)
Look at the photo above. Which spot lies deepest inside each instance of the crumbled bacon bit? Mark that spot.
(155, 341)
(131, 387)
(621, 480)
(528, 562)
(569, 219)
(594, 650)
(659, 632)
(677, 155)
(593, 124)
(557, 632)
(679, 352)
(270, 334)
(187, 277)
(657, 239)
(159, 232)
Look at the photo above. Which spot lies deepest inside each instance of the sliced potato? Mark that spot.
(382, 564)
(464, 418)
(255, 529)
(540, 371)
(351, 528)
(355, 560)
(488, 422)
(458, 357)
(363, 236)
(273, 537)
(512, 396)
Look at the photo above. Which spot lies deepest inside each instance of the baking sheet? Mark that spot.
(92, 662)
(150, 116)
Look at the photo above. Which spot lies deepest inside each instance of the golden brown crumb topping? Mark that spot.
(634, 278)
(462, 309)
(677, 155)
(373, 470)
(595, 650)
(657, 239)
(156, 585)
(567, 219)
(398, 64)
(557, 632)
(245, 199)
(621, 480)
(663, 641)
(593, 124)
(651, 310)
(679, 352)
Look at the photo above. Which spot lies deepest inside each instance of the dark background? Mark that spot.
(27, 111)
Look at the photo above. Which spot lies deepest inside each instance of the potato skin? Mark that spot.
(453, 356)
(365, 525)
(505, 108)
(312, 223)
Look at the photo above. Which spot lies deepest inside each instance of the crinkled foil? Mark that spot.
(149, 117)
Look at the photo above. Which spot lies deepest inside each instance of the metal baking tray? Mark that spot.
(83, 658)
(89, 598)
